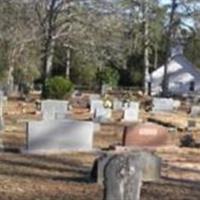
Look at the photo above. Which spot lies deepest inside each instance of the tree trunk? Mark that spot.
(146, 48)
(49, 62)
(168, 49)
(155, 56)
(68, 62)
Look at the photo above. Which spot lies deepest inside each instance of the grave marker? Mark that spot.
(94, 104)
(162, 105)
(123, 177)
(52, 109)
(195, 111)
(1, 110)
(131, 114)
(102, 114)
(145, 134)
(151, 166)
(59, 135)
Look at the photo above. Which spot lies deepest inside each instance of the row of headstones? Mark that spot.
(100, 113)
(130, 109)
(56, 131)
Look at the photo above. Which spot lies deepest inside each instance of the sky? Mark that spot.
(165, 1)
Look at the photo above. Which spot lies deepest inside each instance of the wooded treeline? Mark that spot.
(84, 40)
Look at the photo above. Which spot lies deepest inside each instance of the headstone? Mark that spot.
(94, 104)
(162, 105)
(59, 135)
(102, 114)
(123, 177)
(151, 168)
(117, 105)
(131, 115)
(145, 135)
(53, 108)
(1, 110)
(195, 111)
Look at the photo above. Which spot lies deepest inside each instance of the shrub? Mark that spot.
(109, 76)
(57, 87)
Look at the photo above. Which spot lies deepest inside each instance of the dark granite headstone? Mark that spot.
(145, 135)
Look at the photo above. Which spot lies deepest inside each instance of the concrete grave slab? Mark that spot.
(59, 136)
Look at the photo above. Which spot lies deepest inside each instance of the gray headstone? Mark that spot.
(151, 167)
(195, 111)
(59, 135)
(163, 105)
(123, 177)
(53, 108)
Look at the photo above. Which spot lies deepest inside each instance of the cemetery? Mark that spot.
(99, 100)
(65, 158)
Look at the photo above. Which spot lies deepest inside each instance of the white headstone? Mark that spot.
(102, 114)
(52, 108)
(59, 136)
(1, 109)
(163, 105)
(195, 111)
(94, 104)
(131, 115)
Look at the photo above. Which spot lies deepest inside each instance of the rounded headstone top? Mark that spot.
(145, 134)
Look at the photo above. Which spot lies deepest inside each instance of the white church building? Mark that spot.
(183, 76)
